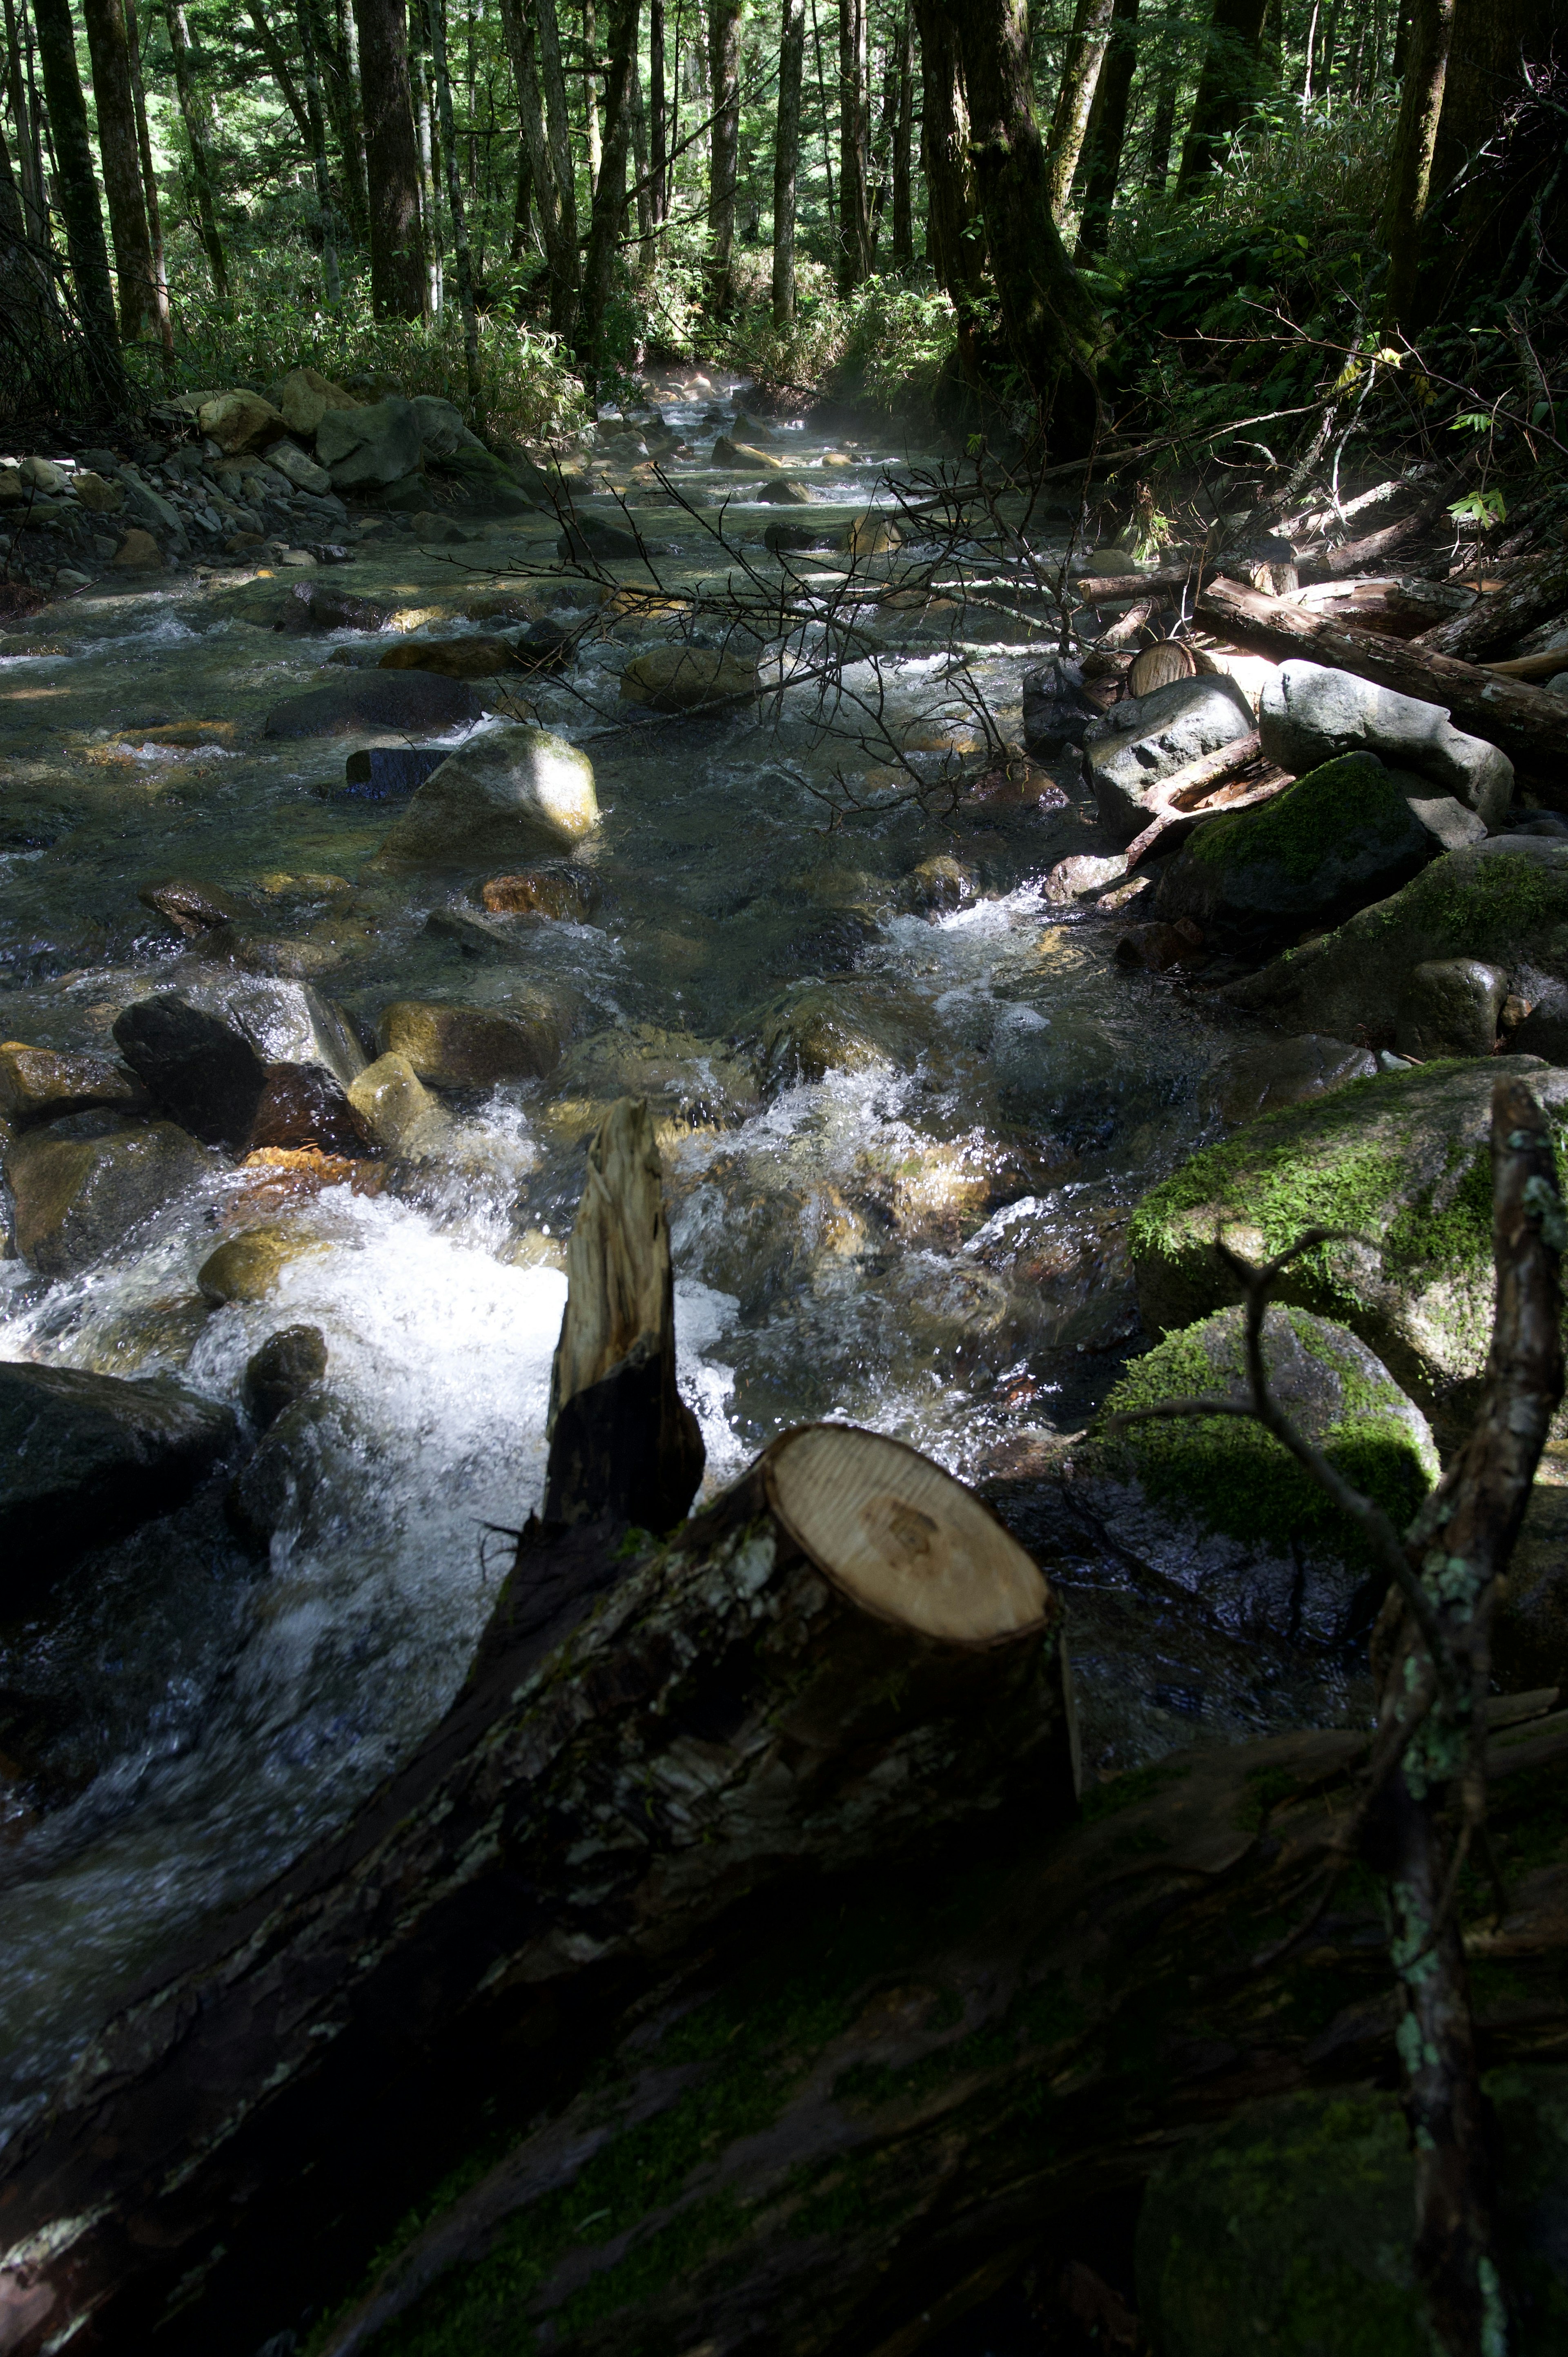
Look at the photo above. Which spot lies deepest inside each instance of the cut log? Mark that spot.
(1526, 724)
(1540, 666)
(1200, 791)
(1495, 624)
(623, 1443)
(846, 1664)
(1394, 606)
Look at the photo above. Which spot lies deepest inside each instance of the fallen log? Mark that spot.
(1537, 667)
(1526, 724)
(1496, 622)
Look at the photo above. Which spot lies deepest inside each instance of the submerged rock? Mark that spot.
(1056, 707)
(191, 907)
(687, 1081)
(76, 1198)
(1255, 1078)
(245, 1267)
(570, 894)
(1402, 1161)
(248, 1062)
(469, 1047)
(84, 1457)
(514, 788)
(1309, 713)
(305, 1473)
(398, 704)
(1147, 737)
(687, 679)
(1219, 1508)
(40, 1085)
(286, 1367)
(450, 658)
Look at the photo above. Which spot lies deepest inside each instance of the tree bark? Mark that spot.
(724, 73)
(120, 151)
(1052, 326)
(904, 146)
(643, 178)
(77, 194)
(150, 183)
(787, 159)
(282, 73)
(28, 165)
(352, 127)
(426, 143)
(462, 256)
(194, 115)
(1524, 721)
(1080, 79)
(316, 121)
(955, 245)
(522, 206)
(658, 133)
(591, 95)
(556, 227)
(1161, 130)
(1108, 130)
(847, 1663)
(1415, 142)
(853, 213)
(1496, 622)
(398, 288)
(604, 242)
(1226, 88)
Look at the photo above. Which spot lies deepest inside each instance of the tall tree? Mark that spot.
(1162, 129)
(1075, 99)
(609, 190)
(1415, 142)
(1108, 130)
(1053, 328)
(150, 185)
(1502, 56)
(591, 125)
(331, 281)
(557, 209)
(1227, 86)
(426, 145)
(723, 71)
(658, 137)
(195, 115)
(903, 146)
(955, 245)
(353, 135)
(29, 165)
(456, 212)
(787, 158)
(854, 128)
(398, 288)
(76, 192)
(120, 153)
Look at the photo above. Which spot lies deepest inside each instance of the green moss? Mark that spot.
(1479, 911)
(1266, 1788)
(1354, 797)
(1125, 1792)
(1235, 1476)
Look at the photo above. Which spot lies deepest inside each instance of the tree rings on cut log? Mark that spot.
(901, 1538)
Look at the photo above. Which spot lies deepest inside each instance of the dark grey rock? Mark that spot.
(363, 449)
(379, 772)
(1057, 709)
(1309, 713)
(286, 1367)
(248, 1061)
(77, 1196)
(1144, 739)
(1449, 1006)
(397, 702)
(1270, 1072)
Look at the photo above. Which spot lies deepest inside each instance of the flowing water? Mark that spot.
(903, 1113)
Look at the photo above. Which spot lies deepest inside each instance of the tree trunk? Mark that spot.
(150, 183)
(566, 272)
(614, 1149)
(282, 73)
(1053, 328)
(398, 289)
(28, 165)
(29, 330)
(1415, 141)
(1495, 623)
(522, 206)
(1161, 130)
(855, 217)
(461, 254)
(1080, 79)
(76, 195)
(1501, 63)
(1524, 721)
(955, 247)
(332, 285)
(1226, 88)
(193, 112)
(591, 96)
(658, 134)
(787, 159)
(425, 144)
(556, 224)
(724, 73)
(903, 146)
(1108, 130)
(643, 178)
(120, 151)
(351, 128)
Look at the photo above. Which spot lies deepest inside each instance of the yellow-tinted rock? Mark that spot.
(247, 1266)
(687, 679)
(37, 1083)
(240, 421)
(97, 495)
(469, 1047)
(869, 535)
(451, 658)
(139, 548)
(403, 1115)
(307, 395)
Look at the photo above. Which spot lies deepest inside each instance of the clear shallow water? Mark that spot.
(899, 1150)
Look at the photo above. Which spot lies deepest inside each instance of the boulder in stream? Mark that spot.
(465, 658)
(516, 788)
(1217, 1508)
(402, 1116)
(248, 1062)
(42, 1084)
(84, 1457)
(1147, 737)
(363, 449)
(594, 538)
(190, 906)
(395, 705)
(570, 894)
(1403, 1163)
(282, 1371)
(76, 1198)
(688, 678)
(456, 1047)
(1450, 1007)
(305, 396)
(240, 421)
(1058, 708)
(1257, 1077)
(1309, 713)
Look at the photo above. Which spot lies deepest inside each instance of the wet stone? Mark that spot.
(78, 1198)
(397, 1108)
(247, 1266)
(1450, 1007)
(191, 907)
(379, 772)
(39, 1084)
(408, 703)
(469, 1047)
(1255, 1080)
(472, 658)
(571, 894)
(210, 1053)
(282, 1371)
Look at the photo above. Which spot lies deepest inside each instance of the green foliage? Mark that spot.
(885, 342)
(1353, 796)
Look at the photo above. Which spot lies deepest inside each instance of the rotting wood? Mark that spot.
(1537, 666)
(652, 1740)
(1498, 620)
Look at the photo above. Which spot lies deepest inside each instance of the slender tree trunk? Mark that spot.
(1415, 142)
(724, 73)
(903, 146)
(1162, 131)
(461, 254)
(120, 153)
(648, 251)
(609, 194)
(658, 137)
(28, 327)
(556, 224)
(954, 246)
(1226, 88)
(150, 183)
(1053, 327)
(522, 206)
(569, 278)
(425, 143)
(787, 159)
(398, 288)
(77, 194)
(282, 73)
(1081, 78)
(193, 112)
(331, 283)
(593, 133)
(1108, 130)
(855, 219)
(822, 111)
(29, 168)
(355, 186)
(323, 26)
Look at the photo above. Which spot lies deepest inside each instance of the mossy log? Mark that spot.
(845, 1663)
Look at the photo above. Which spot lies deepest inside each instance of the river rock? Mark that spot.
(433, 530)
(138, 551)
(1450, 1007)
(1255, 1078)
(1056, 707)
(544, 646)
(305, 397)
(1342, 835)
(1219, 1508)
(1450, 824)
(1530, 1624)
(286, 1367)
(820, 1027)
(1309, 713)
(97, 494)
(469, 1047)
(246, 1267)
(497, 943)
(687, 679)
(85, 1456)
(1403, 1162)
(570, 894)
(1146, 737)
(786, 491)
(393, 1102)
(450, 658)
(589, 536)
(364, 449)
(689, 1081)
(1504, 902)
(248, 1062)
(447, 443)
(192, 906)
(299, 468)
(513, 788)
(394, 704)
(871, 535)
(317, 1454)
(240, 421)
(41, 1084)
(311, 606)
(78, 1198)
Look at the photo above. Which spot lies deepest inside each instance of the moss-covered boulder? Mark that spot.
(1289, 2229)
(1219, 1508)
(1504, 902)
(1402, 1161)
(1342, 835)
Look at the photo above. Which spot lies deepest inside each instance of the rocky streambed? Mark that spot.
(340, 897)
